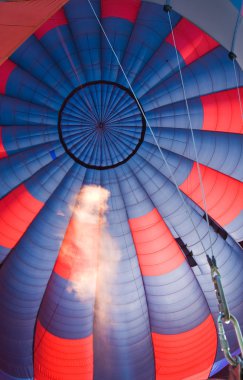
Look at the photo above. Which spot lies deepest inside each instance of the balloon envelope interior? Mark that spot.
(121, 168)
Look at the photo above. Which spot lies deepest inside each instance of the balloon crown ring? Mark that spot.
(101, 125)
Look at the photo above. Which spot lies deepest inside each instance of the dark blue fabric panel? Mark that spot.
(32, 57)
(175, 115)
(118, 32)
(86, 33)
(179, 166)
(175, 300)
(63, 314)
(134, 196)
(25, 274)
(18, 112)
(237, 4)
(162, 65)
(22, 85)
(18, 168)
(53, 154)
(18, 138)
(60, 46)
(44, 182)
(219, 151)
(121, 326)
(152, 26)
(213, 72)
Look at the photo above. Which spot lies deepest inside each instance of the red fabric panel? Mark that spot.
(127, 9)
(222, 111)
(5, 71)
(19, 20)
(224, 195)
(79, 250)
(189, 355)
(3, 152)
(157, 251)
(17, 211)
(57, 19)
(191, 42)
(58, 358)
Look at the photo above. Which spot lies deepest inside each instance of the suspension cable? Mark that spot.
(238, 88)
(149, 126)
(168, 9)
(225, 317)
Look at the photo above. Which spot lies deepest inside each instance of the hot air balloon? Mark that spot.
(121, 168)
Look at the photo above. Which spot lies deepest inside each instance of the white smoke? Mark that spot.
(91, 250)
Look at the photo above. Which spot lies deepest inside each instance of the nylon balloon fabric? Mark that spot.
(103, 229)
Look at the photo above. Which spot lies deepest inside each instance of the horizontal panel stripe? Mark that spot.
(186, 355)
(3, 152)
(191, 42)
(67, 309)
(127, 9)
(223, 194)
(57, 19)
(175, 301)
(17, 211)
(222, 111)
(66, 359)
(157, 251)
(5, 71)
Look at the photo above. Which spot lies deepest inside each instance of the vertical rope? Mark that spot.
(150, 128)
(238, 89)
(192, 134)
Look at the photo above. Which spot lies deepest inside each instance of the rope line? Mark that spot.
(150, 128)
(193, 137)
(238, 89)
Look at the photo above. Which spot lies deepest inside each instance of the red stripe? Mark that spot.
(127, 9)
(5, 71)
(189, 355)
(191, 42)
(3, 152)
(58, 358)
(79, 250)
(17, 211)
(157, 251)
(57, 19)
(223, 194)
(222, 111)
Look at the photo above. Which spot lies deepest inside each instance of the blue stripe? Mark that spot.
(32, 57)
(86, 34)
(150, 29)
(22, 85)
(61, 47)
(218, 74)
(63, 314)
(25, 275)
(24, 165)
